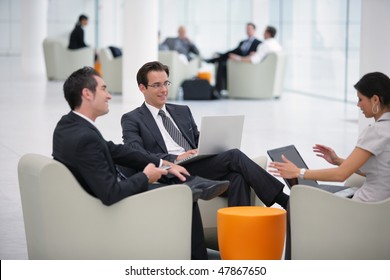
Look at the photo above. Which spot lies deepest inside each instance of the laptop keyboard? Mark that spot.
(185, 159)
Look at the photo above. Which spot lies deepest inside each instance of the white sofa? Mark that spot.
(111, 70)
(62, 221)
(60, 61)
(257, 81)
(179, 70)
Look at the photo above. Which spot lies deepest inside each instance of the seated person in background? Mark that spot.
(244, 48)
(143, 129)
(161, 46)
(79, 145)
(371, 156)
(182, 44)
(269, 45)
(76, 40)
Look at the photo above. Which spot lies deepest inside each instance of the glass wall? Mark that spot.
(321, 37)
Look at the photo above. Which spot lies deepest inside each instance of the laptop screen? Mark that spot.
(292, 154)
(220, 133)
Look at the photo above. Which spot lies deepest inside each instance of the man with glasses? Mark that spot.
(169, 132)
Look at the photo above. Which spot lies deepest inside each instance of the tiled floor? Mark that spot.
(31, 107)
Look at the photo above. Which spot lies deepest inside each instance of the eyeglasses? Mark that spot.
(159, 85)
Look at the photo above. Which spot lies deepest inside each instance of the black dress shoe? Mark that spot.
(209, 188)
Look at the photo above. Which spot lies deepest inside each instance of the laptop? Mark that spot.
(292, 154)
(217, 134)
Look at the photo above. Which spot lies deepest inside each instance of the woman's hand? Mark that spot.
(327, 153)
(285, 169)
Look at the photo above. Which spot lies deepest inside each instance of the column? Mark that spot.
(34, 30)
(140, 44)
(374, 41)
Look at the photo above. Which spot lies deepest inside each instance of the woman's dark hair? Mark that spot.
(375, 83)
(76, 82)
(142, 75)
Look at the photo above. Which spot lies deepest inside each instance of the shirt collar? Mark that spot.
(154, 111)
(84, 117)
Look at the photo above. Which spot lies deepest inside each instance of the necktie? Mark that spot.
(174, 132)
(245, 47)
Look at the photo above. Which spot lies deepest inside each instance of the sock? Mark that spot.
(282, 199)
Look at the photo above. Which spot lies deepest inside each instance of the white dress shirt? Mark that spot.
(172, 146)
(268, 46)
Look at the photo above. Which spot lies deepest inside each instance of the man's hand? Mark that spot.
(187, 154)
(177, 170)
(154, 173)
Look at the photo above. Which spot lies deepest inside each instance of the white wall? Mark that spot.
(375, 41)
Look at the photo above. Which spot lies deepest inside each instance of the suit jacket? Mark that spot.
(185, 47)
(140, 131)
(76, 40)
(253, 47)
(79, 145)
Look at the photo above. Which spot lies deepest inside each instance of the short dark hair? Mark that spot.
(375, 83)
(142, 74)
(76, 82)
(251, 24)
(82, 17)
(271, 30)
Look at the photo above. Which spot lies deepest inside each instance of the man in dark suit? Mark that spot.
(143, 129)
(79, 145)
(243, 49)
(76, 40)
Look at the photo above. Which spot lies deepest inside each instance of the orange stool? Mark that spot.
(205, 76)
(251, 233)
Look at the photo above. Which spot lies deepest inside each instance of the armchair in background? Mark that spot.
(208, 210)
(62, 221)
(179, 70)
(60, 62)
(111, 70)
(257, 81)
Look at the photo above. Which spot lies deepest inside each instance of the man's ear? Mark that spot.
(86, 93)
(142, 87)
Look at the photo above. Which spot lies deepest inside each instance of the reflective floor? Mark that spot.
(30, 108)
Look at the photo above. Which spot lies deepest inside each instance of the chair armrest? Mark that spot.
(355, 180)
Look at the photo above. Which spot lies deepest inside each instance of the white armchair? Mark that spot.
(179, 70)
(208, 210)
(62, 221)
(326, 226)
(60, 61)
(257, 81)
(111, 70)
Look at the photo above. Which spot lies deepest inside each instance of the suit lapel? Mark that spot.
(151, 124)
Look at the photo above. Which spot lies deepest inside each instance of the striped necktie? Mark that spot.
(245, 46)
(174, 132)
